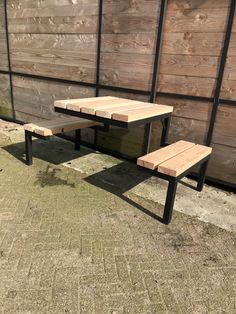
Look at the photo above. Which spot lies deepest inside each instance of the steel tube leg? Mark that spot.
(147, 138)
(165, 131)
(77, 139)
(28, 148)
(202, 176)
(170, 199)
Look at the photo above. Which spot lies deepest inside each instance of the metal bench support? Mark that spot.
(77, 139)
(173, 182)
(29, 144)
(28, 148)
(170, 199)
(172, 187)
(202, 176)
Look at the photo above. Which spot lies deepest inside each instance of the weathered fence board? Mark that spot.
(37, 97)
(5, 101)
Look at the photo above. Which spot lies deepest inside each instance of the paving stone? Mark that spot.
(70, 244)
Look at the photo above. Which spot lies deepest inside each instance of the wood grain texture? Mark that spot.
(80, 102)
(108, 112)
(199, 66)
(143, 43)
(192, 43)
(212, 20)
(129, 32)
(128, 16)
(190, 85)
(152, 160)
(126, 70)
(184, 161)
(54, 17)
(3, 43)
(37, 97)
(92, 108)
(198, 4)
(181, 129)
(59, 125)
(31, 9)
(26, 117)
(189, 109)
(228, 90)
(222, 164)
(5, 99)
(225, 126)
(145, 112)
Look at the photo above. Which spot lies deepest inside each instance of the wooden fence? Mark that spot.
(58, 39)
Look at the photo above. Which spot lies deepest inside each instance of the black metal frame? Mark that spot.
(99, 44)
(216, 100)
(173, 182)
(148, 127)
(29, 143)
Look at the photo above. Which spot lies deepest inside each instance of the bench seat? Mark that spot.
(45, 129)
(172, 163)
(59, 125)
(176, 158)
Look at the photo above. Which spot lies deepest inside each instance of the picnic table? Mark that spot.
(170, 163)
(120, 112)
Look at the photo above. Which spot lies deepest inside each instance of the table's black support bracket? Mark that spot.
(165, 131)
(147, 138)
(77, 139)
(103, 128)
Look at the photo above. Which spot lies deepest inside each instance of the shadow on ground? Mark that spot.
(119, 179)
(52, 151)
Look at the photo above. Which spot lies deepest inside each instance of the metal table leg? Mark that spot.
(165, 131)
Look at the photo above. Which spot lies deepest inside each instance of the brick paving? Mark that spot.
(68, 246)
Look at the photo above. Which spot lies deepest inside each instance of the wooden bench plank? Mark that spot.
(89, 107)
(185, 160)
(137, 114)
(49, 123)
(59, 125)
(152, 160)
(64, 103)
(92, 108)
(108, 112)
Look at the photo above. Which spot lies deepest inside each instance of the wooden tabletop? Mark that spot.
(114, 108)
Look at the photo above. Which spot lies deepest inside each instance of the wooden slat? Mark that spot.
(92, 108)
(54, 126)
(66, 102)
(137, 114)
(108, 112)
(51, 123)
(152, 160)
(185, 160)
